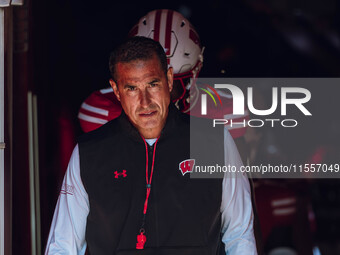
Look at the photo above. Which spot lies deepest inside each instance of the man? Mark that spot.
(184, 52)
(119, 207)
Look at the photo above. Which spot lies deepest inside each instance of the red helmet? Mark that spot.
(181, 44)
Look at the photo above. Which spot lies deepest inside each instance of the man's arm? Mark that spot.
(236, 207)
(67, 233)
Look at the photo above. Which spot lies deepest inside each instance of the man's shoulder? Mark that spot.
(184, 120)
(199, 127)
(109, 129)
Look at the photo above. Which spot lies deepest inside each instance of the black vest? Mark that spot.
(183, 216)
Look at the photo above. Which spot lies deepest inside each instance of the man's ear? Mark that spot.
(114, 86)
(170, 76)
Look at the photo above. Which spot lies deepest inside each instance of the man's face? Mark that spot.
(144, 92)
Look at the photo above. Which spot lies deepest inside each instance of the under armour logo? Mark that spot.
(186, 166)
(123, 174)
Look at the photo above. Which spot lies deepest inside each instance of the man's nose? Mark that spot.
(145, 98)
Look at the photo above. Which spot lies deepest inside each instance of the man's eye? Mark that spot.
(152, 85)
(131, 88)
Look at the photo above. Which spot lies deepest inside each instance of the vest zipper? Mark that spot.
(141, 237)
(151, 151)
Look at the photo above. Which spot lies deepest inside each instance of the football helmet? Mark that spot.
(182, 47)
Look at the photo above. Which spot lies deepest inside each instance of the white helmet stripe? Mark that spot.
(162, 29)
(168, 33)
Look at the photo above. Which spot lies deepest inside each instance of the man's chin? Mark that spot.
(148, 124)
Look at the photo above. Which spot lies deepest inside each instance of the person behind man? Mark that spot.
(123, 190)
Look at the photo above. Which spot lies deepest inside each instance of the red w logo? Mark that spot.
(187, 166)
(123, 174)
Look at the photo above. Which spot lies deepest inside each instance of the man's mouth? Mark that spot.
(147, 114)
